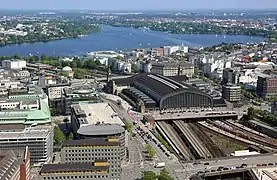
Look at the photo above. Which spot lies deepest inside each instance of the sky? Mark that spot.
(117, 5)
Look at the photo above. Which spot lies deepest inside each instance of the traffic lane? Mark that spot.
(252, 162)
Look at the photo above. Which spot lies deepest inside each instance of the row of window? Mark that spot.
(91, 150)
(92, 154)
(77, 177)
(88, 159)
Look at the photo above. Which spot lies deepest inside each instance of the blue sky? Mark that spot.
(118, 5)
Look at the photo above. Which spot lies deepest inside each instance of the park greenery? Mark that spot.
(178, 27)
(40, 31)
(150, 175)
(59, 136)
(80, 67)
(260, 115)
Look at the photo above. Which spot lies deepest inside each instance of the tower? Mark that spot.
(108, 75)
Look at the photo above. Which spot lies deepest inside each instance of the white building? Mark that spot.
(124, 66)
(13, 64)
(55, 91)
(39, 140)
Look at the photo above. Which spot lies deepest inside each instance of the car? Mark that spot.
(233, 167)
(259, 165)
(275, 163)
(218, 169)
(197, 163)
(206, 164)
(264, 164)
(270, 164)
(226, 169)
(243, 165)
(207, 171)
(200, 172)
(213, 170)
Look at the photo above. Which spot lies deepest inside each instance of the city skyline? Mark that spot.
(123, 5)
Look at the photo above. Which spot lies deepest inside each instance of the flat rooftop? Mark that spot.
(97, 113)
(47, 168)
(27, 133)
(90, 142)
(101, 129)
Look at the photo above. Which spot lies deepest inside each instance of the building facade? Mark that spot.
(13, 64)
(81, 171)
(15, 164)
(266, 87)
(231, 93)
(39, 140)
(107, 151)
(172, 69)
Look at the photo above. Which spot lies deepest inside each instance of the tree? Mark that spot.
(73, 64)
(150, 150)
(135, 68)
(164, 175)
(58, 136)
(251, 113)
(79, 74)
(69, 136)
(149, 175)
(62, 73)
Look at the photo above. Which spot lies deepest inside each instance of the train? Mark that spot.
(228, 129)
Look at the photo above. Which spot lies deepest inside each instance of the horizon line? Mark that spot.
(143, 10)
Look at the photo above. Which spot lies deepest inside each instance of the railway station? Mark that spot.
(150, 92)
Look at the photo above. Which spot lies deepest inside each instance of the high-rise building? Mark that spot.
(231, 93)
(266, 87)
(15, 164)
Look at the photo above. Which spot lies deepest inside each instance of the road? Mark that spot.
(137, 145)
(251, 161)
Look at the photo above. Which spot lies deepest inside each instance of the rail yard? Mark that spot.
(190, 142)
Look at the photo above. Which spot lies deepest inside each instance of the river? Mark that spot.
(120, 38)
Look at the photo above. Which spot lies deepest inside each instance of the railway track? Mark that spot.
(176, 140)
(209, 144)
(201, 151)
(249, 136)
(255, 136)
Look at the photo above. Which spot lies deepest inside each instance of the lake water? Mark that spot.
(120, 38)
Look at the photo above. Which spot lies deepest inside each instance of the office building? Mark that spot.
(93, 114)
(266, 87)
(104, 150)
(81, 94)
(15, 164)
(39, 140)
(172, 69)
(13, 64)
(97, 158)
(82, 171)
(25, 105)
(231, 93)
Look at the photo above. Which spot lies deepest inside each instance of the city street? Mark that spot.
(251, 161)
